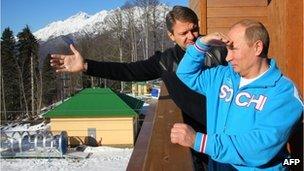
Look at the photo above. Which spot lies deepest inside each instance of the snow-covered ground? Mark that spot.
(101, 158)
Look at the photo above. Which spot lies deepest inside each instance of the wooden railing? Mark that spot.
(153, 149)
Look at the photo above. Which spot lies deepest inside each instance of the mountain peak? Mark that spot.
(80, 14)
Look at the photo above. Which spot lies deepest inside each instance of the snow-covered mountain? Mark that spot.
(82, 23)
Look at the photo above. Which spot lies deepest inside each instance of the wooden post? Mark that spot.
(203, 17)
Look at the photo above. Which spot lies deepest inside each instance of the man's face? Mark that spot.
(241, 56)
(184, 33)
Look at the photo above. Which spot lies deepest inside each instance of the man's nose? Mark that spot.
(229, 56)
(190, 35)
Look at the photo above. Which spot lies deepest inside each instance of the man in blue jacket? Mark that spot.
(251, 107)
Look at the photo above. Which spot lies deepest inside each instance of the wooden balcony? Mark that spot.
(153, 149)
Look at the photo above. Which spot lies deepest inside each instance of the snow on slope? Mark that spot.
(82, 23)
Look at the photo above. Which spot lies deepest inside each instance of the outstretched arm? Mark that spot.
(135, 71)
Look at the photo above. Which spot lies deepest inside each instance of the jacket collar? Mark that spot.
(269, 79)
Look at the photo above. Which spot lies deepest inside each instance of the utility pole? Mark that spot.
(32, 85)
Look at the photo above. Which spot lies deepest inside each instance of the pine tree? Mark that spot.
(28, 61)
(10, 103)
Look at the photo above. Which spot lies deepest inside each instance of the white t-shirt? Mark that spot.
(245, 81)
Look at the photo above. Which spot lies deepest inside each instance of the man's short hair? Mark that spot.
(255, 31)
(180, 13)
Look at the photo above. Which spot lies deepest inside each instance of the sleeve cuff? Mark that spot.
(201, 46)
(200, 142)
(91, 67)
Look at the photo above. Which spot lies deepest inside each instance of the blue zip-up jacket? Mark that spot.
(247, 127)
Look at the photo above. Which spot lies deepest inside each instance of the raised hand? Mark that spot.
(217, 39)
(68, 63)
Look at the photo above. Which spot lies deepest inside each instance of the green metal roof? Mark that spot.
(97, 102)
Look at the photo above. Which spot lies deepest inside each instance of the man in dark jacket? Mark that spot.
(182, 25)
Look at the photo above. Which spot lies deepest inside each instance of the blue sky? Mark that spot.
(38, 13)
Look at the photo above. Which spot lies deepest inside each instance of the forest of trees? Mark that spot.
(28, 83)
(21, 90)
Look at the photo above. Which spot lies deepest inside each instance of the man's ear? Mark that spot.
(171, 36)
(258, 47)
